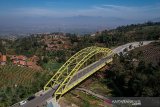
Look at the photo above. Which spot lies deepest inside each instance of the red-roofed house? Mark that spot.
(19, 60)
(21, 57)
(15, 62)
(3, 59)
(22, 63)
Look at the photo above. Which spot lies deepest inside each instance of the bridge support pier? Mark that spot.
(52, 103)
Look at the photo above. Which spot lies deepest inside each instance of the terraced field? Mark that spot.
(18, 83)
(12, 75)
(150, 52)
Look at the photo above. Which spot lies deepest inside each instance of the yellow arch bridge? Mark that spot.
(79, 67)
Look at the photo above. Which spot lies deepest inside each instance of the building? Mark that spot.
(22, 63)
(3, 59)
(22, 60)
(19, 60)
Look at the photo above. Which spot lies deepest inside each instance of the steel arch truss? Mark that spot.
(64, 75)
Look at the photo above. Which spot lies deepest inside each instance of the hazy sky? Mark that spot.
(33, 13)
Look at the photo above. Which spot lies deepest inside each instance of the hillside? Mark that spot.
(132, 75)
(150, 53)
(13, 75)
(17, 83)
(129, 33)
(136, 74)
(54, 49)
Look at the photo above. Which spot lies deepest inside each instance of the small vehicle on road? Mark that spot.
(22, 102)
(31, 98)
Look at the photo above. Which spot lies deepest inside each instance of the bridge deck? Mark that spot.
(89, 69)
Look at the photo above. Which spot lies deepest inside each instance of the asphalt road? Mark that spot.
(39, 101)
(134, 44)
(89, 68)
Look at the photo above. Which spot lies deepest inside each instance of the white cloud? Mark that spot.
(125, 12)
(41, 12)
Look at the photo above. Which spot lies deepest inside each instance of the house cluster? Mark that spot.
(22, 60)
(57, 45)
(56, 42)
(3, 59)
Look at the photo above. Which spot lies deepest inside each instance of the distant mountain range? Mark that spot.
(76, 24)
(156, 20)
